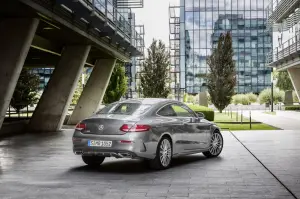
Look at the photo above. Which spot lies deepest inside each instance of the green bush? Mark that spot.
(252, 97)
(245, 100)
(185, 97)
(237, 99)
(208, 98)
(208, 112)
(191, 99)
(292, 108)
(265, 96)
(171, 96)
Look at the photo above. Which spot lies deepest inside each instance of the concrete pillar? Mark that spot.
(94, 91)
(54, 103)
(203, 99)
(295, 77)
(16, 38)
(288, 98)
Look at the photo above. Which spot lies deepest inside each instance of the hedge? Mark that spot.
(292, 108)
(208, 112)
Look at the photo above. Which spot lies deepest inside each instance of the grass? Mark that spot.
(240, 127)
(225, 121)
(222, 117)
(270, 113)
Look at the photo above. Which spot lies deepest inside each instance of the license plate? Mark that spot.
(99, 143)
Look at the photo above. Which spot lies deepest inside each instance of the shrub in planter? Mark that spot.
(292, 108)
(208, 112)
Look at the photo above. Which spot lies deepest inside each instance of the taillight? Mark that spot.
(135, 128)
(80, 126)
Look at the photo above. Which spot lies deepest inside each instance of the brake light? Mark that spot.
(125, 128)
(135, 128)
(80, 126)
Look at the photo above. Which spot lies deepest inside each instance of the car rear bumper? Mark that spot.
(129, 145)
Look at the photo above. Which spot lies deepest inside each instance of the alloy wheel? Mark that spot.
(216, 144)
(165, 153)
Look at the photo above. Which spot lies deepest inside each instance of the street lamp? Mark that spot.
(272, 100)
(272, 91)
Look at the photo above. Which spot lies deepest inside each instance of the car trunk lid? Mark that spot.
(107, 124)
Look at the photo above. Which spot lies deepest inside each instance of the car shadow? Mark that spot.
(128, 166)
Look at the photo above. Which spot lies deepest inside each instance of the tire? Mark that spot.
(163, 156)
(93, 160)
(216, 145)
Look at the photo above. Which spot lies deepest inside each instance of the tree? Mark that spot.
(26, 90)
(221, 78)
(155, 72)
(79, 87)
(284, 81)
(265, 96)
(117, 86)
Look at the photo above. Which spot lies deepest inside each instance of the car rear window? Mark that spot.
(125, 108)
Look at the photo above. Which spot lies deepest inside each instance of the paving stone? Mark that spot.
(43, 166)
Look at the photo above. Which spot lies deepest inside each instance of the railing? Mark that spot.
(130, 3)
(115, 19)
(277, 8)
(288, 48)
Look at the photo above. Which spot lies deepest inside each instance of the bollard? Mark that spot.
(242, 117)
(237, 115)
(250, 121)
(231, 113)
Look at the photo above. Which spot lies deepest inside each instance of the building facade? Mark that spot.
(195, 28)
(284, 21)
(124, 11)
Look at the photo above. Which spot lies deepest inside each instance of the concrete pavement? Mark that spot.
(278, 151)
(43, 166)
(287, 120)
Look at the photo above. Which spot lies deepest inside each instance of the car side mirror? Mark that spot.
(200, 115)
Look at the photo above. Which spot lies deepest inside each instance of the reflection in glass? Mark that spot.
(205, 20)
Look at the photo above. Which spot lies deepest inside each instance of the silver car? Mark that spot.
(155, 130)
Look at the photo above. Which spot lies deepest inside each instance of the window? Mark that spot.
(175, 110)
(167, 111)
(126, 108)
(181, 111)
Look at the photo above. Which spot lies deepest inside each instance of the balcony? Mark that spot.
(280, 9)
(287, 51)
(130, 3)
(101, 18)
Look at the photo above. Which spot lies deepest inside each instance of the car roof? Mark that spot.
(150, 100)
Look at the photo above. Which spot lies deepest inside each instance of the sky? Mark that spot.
(155, 17)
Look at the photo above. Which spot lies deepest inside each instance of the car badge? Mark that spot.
(101, 127)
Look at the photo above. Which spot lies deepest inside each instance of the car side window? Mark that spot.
(181, 111)
(167, 111)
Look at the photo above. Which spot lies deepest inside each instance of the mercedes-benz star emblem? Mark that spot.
(101, 127)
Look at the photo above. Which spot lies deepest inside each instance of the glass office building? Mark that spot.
(196, 31)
